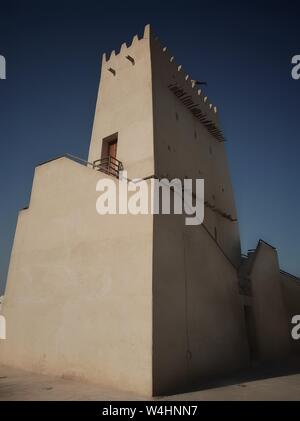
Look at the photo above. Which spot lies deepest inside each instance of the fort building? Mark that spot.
(143, 303)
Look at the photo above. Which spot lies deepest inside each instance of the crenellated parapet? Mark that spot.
(125, 50)
(181, 84)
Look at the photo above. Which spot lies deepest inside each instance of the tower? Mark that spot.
(143, 303)
(165, 126)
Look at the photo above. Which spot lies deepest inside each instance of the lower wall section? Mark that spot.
(270, 313)
(198, 321)
(78, 301)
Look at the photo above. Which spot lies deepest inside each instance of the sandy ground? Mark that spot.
(17, 384)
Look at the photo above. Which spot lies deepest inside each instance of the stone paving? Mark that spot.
(21, 385)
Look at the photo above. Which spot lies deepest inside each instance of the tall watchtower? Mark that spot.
(165, 126)
(162, 124)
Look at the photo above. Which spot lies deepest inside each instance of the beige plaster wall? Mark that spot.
(270, 313)
(198, 325)
(184, 147)
(78, 301)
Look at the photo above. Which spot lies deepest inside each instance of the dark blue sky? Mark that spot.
(242, 49)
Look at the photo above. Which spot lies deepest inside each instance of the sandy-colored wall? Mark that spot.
(270, 313)
(198, 325)
(184, 148)
(78, 301)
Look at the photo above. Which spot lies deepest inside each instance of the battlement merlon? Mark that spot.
(110, 59)
(116, 59)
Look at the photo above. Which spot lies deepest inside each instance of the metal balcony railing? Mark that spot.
(109, 165)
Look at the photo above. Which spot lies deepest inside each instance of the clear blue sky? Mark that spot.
(242, 49)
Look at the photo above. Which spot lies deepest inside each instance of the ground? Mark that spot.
(21, 385)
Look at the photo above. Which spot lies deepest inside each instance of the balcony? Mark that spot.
(109, 165)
